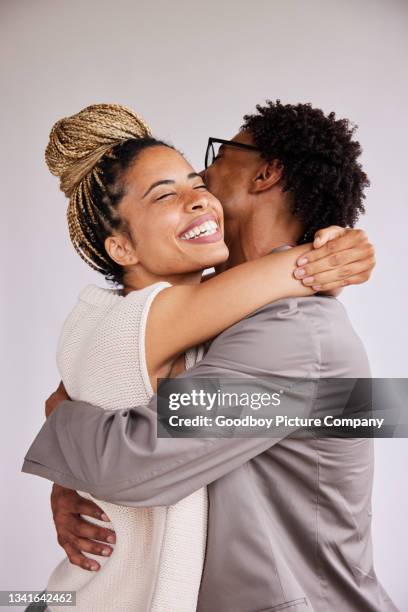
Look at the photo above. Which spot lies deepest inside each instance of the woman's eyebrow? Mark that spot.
(153, 185)
(169, 182)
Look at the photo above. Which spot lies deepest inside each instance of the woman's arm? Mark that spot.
(183, 316)
(339, 257)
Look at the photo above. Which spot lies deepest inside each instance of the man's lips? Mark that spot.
(199, 221)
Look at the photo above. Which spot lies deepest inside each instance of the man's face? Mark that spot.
(229, 176)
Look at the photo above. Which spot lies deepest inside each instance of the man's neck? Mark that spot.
(251, 238)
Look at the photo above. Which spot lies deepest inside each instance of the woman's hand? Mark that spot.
(60, 395)
(339, 257)
(75, 534)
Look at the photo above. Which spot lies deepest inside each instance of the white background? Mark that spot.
(192, 70)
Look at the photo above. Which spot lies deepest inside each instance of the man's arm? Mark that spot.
(117, 456)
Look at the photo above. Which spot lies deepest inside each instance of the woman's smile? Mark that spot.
(204, 229)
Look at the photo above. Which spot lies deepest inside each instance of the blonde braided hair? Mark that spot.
(82, 150)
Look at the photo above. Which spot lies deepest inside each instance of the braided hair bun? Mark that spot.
(90, 152)
(77, 143)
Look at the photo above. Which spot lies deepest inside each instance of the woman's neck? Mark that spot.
(139, 279)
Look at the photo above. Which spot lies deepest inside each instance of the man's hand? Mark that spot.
(340, 257)
(75, 534)
(60, 395)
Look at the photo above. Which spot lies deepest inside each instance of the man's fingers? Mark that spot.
(89, 546)
(336, 260)
(89, 508)
(78, 527)
(77, 558)
(341, 275)
(70, 502)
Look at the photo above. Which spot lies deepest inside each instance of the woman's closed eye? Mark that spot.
(165, 195)
(171, 193)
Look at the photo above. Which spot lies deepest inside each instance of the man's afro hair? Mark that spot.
(319, 158)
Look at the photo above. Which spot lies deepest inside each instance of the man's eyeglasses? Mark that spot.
(214, 145)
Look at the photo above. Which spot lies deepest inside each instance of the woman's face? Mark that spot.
(175, 223)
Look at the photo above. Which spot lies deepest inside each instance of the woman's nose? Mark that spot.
(198, 203)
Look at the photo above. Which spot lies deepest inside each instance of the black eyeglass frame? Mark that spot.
(230, 143)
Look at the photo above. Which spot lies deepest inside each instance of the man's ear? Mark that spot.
(120, 248)
(267, 175)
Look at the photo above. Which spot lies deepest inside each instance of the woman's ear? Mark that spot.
(268, 175)
(121, 250)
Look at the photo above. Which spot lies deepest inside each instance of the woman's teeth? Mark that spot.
(205, 229)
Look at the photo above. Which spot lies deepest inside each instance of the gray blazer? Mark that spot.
(289, 519)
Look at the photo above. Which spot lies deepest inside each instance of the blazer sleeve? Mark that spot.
(116, 455)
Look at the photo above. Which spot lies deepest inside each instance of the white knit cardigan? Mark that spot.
(158, 557)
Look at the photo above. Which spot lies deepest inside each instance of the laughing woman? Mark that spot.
(139, 214)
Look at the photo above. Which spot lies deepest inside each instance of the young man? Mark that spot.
(289, 519)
